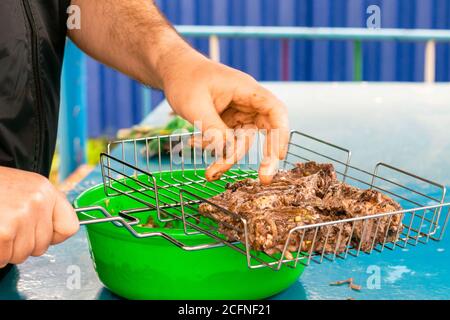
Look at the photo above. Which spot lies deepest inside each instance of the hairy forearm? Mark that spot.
(131, 36)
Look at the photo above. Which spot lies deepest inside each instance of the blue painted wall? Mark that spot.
(115, 101)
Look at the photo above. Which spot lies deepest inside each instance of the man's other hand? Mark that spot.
(33, 215)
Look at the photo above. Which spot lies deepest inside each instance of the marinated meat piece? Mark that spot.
(354, 202)
(308, 194)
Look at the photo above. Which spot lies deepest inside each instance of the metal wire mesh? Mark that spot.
(177, 186)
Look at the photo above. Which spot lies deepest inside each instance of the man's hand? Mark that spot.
(135, 38)
(220, 98)
(33, 215)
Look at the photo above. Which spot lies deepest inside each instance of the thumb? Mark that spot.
(65, 221)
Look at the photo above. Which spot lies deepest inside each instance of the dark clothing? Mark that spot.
(4, 271)
(32, 39)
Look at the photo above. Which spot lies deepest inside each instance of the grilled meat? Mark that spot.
(308, 194)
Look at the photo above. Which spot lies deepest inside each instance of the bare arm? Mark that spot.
(134, 37)
(131, 36)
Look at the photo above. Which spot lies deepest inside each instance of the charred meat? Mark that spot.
(308, 194)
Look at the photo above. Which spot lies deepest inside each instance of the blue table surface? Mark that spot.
(406, 125)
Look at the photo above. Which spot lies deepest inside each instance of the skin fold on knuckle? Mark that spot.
(20, 254)
(39, 205)
(10, 236)
(43, 237)
(20, 257)
(6, 237)
(40, 251)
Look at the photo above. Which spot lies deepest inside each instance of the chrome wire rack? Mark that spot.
(165, 175)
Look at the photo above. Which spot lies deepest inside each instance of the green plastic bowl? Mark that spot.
(155, 268)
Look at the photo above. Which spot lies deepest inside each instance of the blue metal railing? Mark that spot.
(315, 33)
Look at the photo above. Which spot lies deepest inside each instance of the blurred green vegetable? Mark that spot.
(176, 124)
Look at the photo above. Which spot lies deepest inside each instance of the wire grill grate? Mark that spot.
(175, 190)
